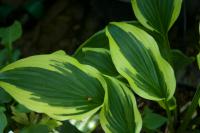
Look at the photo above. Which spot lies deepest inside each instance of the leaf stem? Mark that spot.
(170, 119)
(9, 52)
(190, 111)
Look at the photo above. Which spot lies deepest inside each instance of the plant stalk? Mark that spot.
(9, 52)
(190, 111)
(170, 119)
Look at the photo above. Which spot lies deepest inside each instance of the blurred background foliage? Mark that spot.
(50, 25)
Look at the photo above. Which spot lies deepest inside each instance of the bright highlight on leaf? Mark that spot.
(137, 58)
(55, 84)
(119, 113)
(158, 15)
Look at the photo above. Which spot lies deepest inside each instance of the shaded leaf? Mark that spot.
(95, 52)
(55, 84)
(3, 57)
(3, 119)
(11, 33)
(98, 40)
(35, 129)
(120, 113)
(158, 15)
(152, 120)
(180, 60)
(137, 58)
(4, 97)
(68, 128)
(99, 58)
(21, 108)
(15, 55)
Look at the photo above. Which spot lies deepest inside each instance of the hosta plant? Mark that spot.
(107, 74)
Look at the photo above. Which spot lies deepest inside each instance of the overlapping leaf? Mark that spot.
(55, 84)
(119, 113)
(158, 15)
(152, 120)
(95, 52)
(99, 58)
(98, 40)
(180, 60)
(137, 58)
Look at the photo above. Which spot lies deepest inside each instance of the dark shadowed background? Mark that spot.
(50, 25)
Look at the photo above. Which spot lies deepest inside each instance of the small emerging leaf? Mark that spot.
(152, 120)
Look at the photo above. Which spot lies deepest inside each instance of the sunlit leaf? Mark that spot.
(137, 58)
(158, 15)
(119, 113)
(55, 84)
